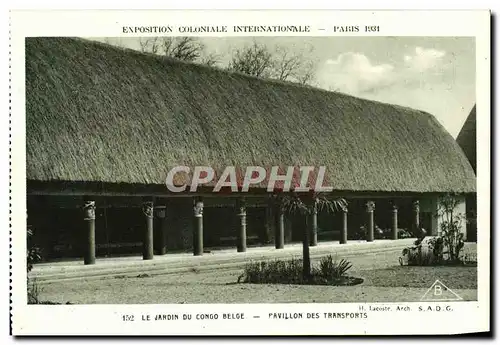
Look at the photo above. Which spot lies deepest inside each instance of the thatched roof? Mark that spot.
(100, 113)
(467, 138)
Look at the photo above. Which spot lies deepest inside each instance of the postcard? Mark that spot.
(233, 172)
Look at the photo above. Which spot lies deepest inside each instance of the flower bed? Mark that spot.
(328, 272)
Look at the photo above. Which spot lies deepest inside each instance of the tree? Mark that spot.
(257, 60)
(210, 59)
(182, 48)
(292, 67)
(150, 45)
(308, 204)
(189, 49)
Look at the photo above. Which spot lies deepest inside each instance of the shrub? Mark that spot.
(32, 256)
(416, 255)
(436, 244)
(33, 292)
(276, 271)
(446, 248)
(33, 253)
(331, 269)
(404, 233)
(419, 257)
(451, 222)
(290, 271)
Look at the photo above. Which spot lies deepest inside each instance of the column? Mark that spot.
(147, 243)
(89, 217)
(306, 256)
(269, 229)
(268, 236)
(198, 227)
(160, 240)
(370, 208)
(416, 218)
(242, 226)
(314, 225)
(343, 232)
(279, 237)
(394, 222)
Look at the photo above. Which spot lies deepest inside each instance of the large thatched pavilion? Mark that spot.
(104, 125)
(467, 140)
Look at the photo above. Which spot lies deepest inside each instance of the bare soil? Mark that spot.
(454, 277)
(384, 281)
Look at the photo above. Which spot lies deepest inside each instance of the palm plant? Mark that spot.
(308, 204)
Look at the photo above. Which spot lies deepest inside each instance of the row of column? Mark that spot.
(149, 210)
(370, 223)
(148, 250)
(241, 241)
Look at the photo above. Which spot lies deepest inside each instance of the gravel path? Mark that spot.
(166, 290)
(220, 286)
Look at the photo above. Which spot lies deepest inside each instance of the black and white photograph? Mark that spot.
(177, 165)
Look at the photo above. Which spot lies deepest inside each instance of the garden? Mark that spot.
(391, 276)
(445, 253)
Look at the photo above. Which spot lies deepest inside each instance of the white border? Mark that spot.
(45, 23)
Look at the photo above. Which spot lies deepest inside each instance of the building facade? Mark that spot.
(105, 125)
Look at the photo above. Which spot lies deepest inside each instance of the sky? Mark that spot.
(434, 74)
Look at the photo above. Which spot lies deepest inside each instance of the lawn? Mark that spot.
(420, 277)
